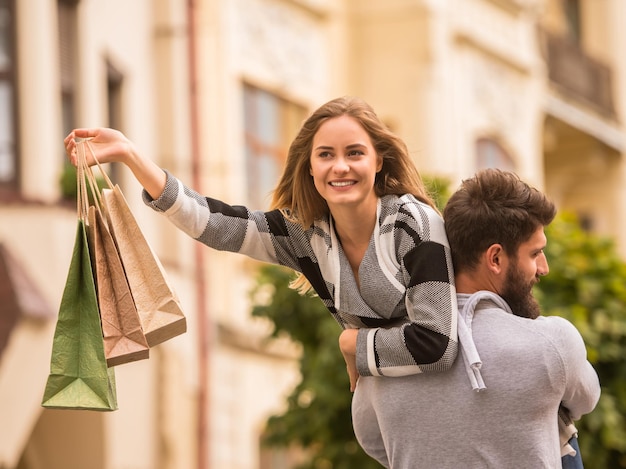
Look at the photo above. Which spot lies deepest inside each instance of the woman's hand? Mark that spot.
(109, 145)
(347, 345)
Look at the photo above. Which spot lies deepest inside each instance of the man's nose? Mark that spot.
(542, 266)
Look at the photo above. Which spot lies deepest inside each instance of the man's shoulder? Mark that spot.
(554, 322)
(560, 331)
(556, 328)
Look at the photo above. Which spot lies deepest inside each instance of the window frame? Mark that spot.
(10, 188)
(290, 115)
(490, 153)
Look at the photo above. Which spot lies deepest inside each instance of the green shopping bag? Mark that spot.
(79, 376)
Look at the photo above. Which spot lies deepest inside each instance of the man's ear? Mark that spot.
(494, 257)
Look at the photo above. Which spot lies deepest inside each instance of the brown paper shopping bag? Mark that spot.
(158, 305)
(124, 340)
(159, 308)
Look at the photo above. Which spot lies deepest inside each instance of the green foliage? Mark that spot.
(67, 182)
(587, 285)
(439, 190)
(318, 416)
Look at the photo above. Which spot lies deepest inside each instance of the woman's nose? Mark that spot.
(341, 166)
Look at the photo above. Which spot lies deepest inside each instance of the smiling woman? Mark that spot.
(344, 165)
(351, 215)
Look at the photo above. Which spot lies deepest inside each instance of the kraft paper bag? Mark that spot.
(124, 340)
(79, 376)
(157, 304)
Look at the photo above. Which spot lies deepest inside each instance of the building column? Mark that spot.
(40, 134)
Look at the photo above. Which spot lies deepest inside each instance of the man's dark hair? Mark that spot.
(493, 207)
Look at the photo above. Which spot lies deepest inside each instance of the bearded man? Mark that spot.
(498, 406)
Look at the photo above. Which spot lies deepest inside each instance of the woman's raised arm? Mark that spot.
(110, 146)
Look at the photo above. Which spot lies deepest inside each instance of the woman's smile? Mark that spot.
(342, 183)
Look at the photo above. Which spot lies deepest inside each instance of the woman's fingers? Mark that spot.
(70, 148)
(71, 143)
(86, 133)
(105, 145)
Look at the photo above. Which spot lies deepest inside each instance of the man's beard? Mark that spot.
(518, 294)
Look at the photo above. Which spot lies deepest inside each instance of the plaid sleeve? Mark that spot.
(427, 339)
(263, 236)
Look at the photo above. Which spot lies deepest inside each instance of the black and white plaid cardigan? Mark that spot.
(405, 305)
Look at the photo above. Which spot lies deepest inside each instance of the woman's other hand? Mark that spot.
(347, 345)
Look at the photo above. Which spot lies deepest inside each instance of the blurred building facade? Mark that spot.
(214, 90)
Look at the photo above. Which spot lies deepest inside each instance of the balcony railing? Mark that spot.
(579, 75)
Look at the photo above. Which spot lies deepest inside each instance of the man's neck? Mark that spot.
(471, 282)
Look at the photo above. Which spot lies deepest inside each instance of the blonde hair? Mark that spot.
(295, 194)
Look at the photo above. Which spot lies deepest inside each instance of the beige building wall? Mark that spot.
(464, 82)
(156, 425)
(583, 134)
(445, 74)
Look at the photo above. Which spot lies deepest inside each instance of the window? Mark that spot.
(573, 19)
(67, 48)
(490, 154)
(68, 38)
(9, 168)
(115, 81)
(270, 123)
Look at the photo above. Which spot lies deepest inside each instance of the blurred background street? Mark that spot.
(214, 91)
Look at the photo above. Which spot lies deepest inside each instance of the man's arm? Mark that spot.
(582, 390)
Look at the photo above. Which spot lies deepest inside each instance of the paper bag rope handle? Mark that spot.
(82, 202)
(95, 158)
(85, 177)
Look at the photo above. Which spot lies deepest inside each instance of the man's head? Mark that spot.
(495, 223)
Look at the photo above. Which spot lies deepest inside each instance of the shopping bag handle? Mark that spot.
(86, 178)
(87, 143)
(82, 203)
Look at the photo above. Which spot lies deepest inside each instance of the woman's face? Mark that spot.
(344, 165)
